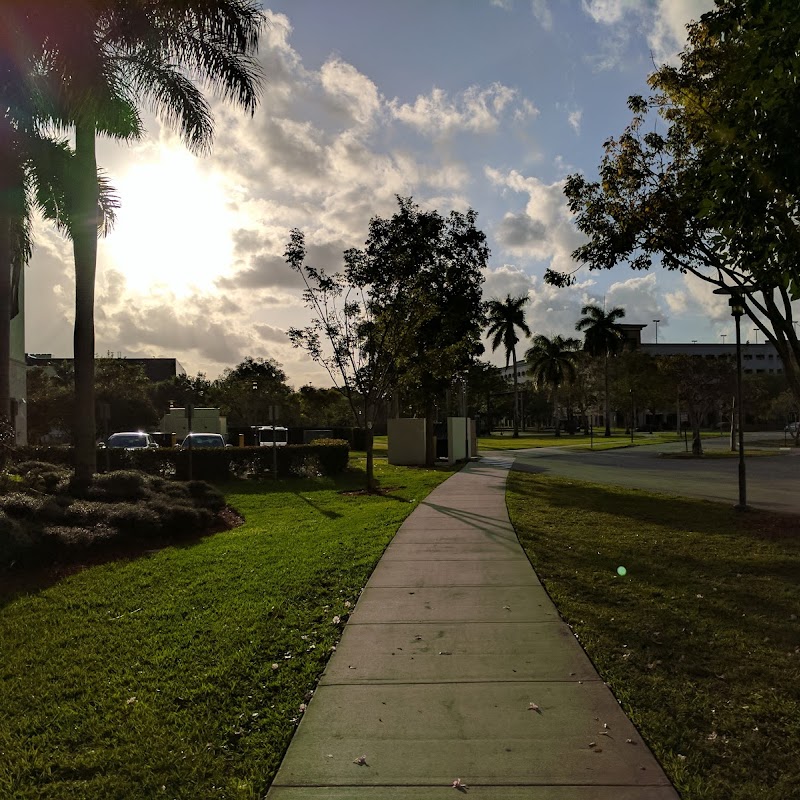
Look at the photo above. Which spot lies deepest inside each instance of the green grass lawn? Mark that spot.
(181, 673)
(579, 441)
(700, 640)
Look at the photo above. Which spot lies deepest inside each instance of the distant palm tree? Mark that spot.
(552, 364)
(602, 336)
(504, 317)
(111, 59)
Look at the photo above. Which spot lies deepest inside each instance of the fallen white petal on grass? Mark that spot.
(130, 701)
(274, 666)
(337, 619)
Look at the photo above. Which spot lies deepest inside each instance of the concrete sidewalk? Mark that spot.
(450, 643)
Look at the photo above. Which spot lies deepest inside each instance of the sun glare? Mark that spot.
(173, 230)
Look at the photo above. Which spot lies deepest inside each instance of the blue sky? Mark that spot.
(487, 104)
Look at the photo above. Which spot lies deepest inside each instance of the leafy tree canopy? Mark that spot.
(711, 189)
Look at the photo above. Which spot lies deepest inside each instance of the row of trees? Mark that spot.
(87, 69)
(551, 360)
(243, 393)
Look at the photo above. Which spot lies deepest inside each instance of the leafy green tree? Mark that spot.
(487, 394)
(421, 275)
(323, 407)
(639, 378)
(246, 392)
(504, 317)
(178, 391)
(551, 365)
(50, 398)
(603, 338)
(710, 187)
(126, 391)
(110, 59)
(344, 338)
(701, 384)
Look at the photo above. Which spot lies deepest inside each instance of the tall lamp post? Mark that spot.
(736, 302)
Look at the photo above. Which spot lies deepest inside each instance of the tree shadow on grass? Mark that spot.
(691, 555)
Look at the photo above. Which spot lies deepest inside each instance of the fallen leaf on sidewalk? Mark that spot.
(457, 784)
(361, 761)
(534, 707)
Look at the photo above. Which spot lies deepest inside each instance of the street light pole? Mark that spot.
(736, 302)
(737, 309)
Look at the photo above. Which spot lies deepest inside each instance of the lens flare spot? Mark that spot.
(622, 572)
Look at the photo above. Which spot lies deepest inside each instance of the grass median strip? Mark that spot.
(699, 639)
(182, 673)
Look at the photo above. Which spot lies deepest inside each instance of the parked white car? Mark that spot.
(132, 440)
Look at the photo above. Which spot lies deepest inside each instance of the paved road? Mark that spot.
(772, 482)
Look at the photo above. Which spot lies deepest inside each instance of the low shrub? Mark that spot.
(58, 539)
(42, 476)
(21, 505)
(15, 542)
(135, 519)
(87, 513)
(180, 519)
(120, 485)
(205, 495)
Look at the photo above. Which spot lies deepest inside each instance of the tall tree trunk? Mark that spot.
(608, 419)
(430, 433)
(556, 417)
(516, 394)
(6, 257)
(85, 251)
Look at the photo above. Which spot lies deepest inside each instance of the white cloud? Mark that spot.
(544, 230)
(541, 11)
(668, 33)
(664, 24)
(609, 12)
(355, 93)
(574, 119)
(476, 110)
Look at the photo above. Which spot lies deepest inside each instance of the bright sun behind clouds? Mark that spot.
(173, 230)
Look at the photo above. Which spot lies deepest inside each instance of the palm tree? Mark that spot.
(35, 172)
(111, 59)
(504, 317)
(552, 364)
(602, 336)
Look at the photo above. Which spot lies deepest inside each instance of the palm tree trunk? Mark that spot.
(85, 250)
(516, 394)
(5, 315)
(608, 419)
(556, 418)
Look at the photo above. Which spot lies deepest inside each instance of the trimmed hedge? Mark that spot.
(119, 506)
(322, 457)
